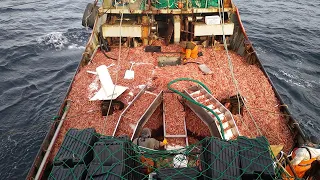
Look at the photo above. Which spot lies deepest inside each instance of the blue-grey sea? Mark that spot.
(41, 42)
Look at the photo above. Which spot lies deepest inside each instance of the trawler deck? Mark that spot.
(260, 98)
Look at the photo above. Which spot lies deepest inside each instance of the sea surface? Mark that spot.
(41, 42)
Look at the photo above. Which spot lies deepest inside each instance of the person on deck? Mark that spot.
(304, 156)
(314, 172)
(190, 49)
(145, 140)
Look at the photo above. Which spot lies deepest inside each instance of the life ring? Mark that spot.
(89, 15)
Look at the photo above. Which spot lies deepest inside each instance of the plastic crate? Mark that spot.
(61, 172)
(76, 147)
(109, 151)
(178, 173)
(262, 165)
(220, 159)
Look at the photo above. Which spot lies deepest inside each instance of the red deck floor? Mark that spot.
(254, 86)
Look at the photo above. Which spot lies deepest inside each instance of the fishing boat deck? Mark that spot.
(253, 85)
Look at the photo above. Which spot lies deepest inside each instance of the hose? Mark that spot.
(195, 102)
(103, 45)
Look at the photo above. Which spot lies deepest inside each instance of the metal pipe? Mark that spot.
(126, 109)
(187, 5)
(44, 160)
(176, 136)
(186, 28)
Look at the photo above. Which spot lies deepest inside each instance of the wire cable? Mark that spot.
(231, 68)
(117, 74)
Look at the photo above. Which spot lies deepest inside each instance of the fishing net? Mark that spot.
(204, 3)
(173, 4)
(84, 154)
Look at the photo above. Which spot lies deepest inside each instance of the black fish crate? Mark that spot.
(113, 151)
(255, 158)
(76, 147)
(178, 173)
(100, 172)
(219, 159)
(62, 172)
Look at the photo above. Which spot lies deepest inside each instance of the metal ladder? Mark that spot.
(168, 136)
(201, 95)
(145, 116)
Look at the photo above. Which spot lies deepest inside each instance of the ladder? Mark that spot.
(138, 123)
(174, 122)
(201, 95)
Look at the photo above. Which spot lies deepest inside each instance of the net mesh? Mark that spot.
(84, 154)
(173, 4)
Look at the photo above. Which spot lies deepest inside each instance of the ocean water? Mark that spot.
(42, 42)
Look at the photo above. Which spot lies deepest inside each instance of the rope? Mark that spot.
(195, 102)
(231, 69)
(117, 74)
(271, 112)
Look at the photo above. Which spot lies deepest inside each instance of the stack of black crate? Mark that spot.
(114, 158)
(74, 155)
(246, 158)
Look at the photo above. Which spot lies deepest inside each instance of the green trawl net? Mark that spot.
(161, 4)
(84, 154)
(173, 4)
(204, 3)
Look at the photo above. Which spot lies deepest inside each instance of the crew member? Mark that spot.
(314, 172)
(304, 156)
(190, 49)
(145, 140)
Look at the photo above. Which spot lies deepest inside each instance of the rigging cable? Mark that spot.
(231, 68)
(117, 74)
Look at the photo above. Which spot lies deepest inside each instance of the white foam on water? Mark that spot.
(294, 79)
(75, 46)
(12, 140)
(55, 39)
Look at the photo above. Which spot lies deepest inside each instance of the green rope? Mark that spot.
(195, 102)
(55, 117)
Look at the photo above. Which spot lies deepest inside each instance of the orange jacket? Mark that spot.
(191, 53)
(301, 168)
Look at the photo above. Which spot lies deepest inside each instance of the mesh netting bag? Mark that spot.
(85, 154)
